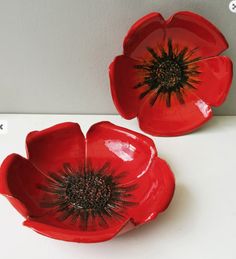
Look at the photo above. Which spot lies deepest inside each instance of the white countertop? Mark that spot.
(199, 224)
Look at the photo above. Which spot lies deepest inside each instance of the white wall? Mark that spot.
(54, 54)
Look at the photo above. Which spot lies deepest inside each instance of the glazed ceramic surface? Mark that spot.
(87, 189)
(170, 73)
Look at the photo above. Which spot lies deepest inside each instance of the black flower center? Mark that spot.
(169, 71)
(88, 192)
(87, 196)
(168, 74)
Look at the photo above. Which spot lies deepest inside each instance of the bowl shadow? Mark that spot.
(169, 219)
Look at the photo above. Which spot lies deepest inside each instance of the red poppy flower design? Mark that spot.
(170, 73)
(89, 189)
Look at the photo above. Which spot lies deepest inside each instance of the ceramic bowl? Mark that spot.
(170, 73)
(87, 189)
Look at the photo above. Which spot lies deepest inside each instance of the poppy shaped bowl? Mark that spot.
(87, 189)
(170, 73)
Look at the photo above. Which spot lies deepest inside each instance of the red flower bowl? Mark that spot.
(170, 73)
(89, 189)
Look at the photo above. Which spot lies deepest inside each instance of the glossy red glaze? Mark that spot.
(132, 160)
(162, 121)
(209, 75)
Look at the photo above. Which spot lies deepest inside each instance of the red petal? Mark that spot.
(124, 150)
(177, 119)
(161, 190)
(60, 233)
(146, 32)
(19, 182)
(215, 79)
(49, 149)
(123, 79)
(191, 30)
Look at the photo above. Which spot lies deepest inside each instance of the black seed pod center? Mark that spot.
(169, 71)
(168, 74)
(87, 196)
(91, 192)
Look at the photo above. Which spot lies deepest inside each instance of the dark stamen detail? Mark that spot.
(142, 95)
(190, 85)
(142, 67)
(169, 72)
(180, 97)
(170, 49)
(192, 61)
(84, 195)
(139, 85)
(153, 53)
(168, 99)
(181, 54)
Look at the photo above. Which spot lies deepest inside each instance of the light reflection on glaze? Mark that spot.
(203, 107)
(150, 217)
(123, 150)
(153, 153)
